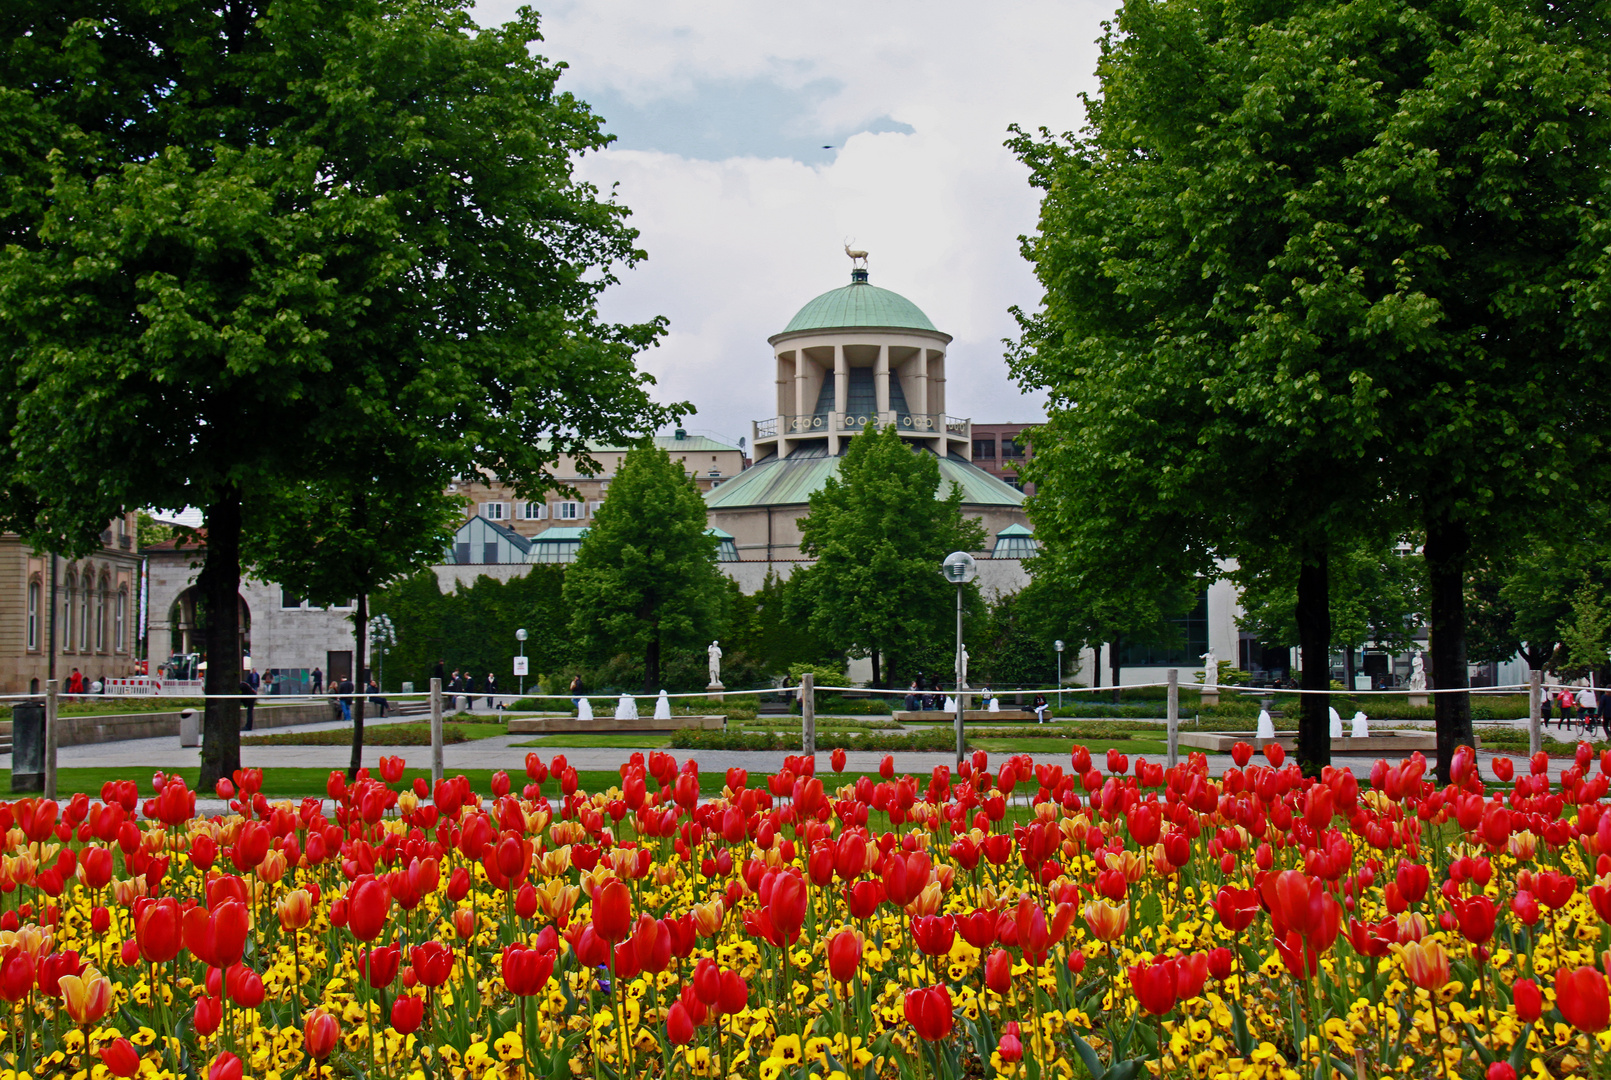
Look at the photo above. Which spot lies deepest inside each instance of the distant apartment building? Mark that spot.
(1002, 450)
(709, 462)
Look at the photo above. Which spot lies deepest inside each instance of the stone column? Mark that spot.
(881, 380)
(921, 376)
(841, 397)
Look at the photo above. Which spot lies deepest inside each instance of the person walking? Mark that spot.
(254, 679)
(1546, 709)
(248, 701)
(1568, 704)
(469, 690)
(345, 689)
(318, 680)
(373, 689)
(491, 690)
(452, 687)
(576, 691)
(1589, 705)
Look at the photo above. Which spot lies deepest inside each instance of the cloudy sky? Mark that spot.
(722, 112)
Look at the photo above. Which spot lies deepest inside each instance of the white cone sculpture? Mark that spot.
(995, 704)
(1266, 731)
(950, 704)
(584, 709)
(662, 707)
(1336, 725)
(1361, 726)
(626, 708)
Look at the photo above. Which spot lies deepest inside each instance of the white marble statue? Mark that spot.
(950, 704)
(584, 709)
(1417, 671)
(1210, 671)
(626, 708)
(1361, 726)
(1336, 725)
(1266, 731)
(662, 707)
(715, 654)
(962, 669)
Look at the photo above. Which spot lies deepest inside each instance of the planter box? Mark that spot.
(545, 725)
(1387, 742)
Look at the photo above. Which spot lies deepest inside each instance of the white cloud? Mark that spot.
(737, 245)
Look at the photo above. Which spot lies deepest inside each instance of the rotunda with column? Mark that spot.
(854, 358)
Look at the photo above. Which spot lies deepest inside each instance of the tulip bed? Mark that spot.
(1004, 919)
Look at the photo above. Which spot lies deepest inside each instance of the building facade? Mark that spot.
(1002, 450)
(92, 612)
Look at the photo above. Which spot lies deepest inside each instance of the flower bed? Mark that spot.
(1002, 920)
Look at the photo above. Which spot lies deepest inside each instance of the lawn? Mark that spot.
(407, 733)
(626, 741)
(1032, 745)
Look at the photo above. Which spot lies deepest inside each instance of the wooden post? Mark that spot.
(50, 738)
(1535, 700)
(808, 713)
(1174, 717)
(436, 732)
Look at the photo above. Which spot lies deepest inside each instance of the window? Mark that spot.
(593, 508)
(461, 554)
(289, 599)
(534, 511)
(33, 614)
(984, 448)
(119, 641)
(68, 607)
(492, 511)
(84, 618)
(1014, 481)
(1011, 449)
(489, 552)
(1178, 642)
(570, 511)
(101, 613)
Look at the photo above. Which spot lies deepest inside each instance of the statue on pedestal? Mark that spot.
(962, 668)
(1418, 672)
(715, 655)
(1210, 671)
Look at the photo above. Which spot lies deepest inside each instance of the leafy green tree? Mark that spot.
(645, 577)
(878, 532)
(243, 236)
(330, 543)
(1316, 273)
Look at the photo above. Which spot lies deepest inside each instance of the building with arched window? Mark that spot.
(85, 613)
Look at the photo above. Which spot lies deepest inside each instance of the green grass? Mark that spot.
(640, 741)
(1030, 745)
(409, 733)
(109, 706)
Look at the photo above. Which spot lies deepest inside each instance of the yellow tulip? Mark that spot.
(88, 996)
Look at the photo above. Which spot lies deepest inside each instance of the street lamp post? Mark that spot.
(959, 569)
(520, 662)
(380, 633)
(1058, 646)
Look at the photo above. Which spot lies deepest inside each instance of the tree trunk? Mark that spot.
(1314, 644)
(1096, 667)
(877, 681)
(1348, 669)
(220, 583)
(1448, 545)
(1113, 663)
(651, 665)
(360, 622)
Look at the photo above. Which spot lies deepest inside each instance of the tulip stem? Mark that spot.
(1437, 1034)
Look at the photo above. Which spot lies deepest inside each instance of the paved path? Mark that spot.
(499, 752)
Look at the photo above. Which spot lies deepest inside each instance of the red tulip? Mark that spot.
(1529, 1001)
(998, 971)
(837, 759)
(734, 993)
(158, 930)
(1477, 916)
(526, 971)
(679, 1025)
(408, 1012)
(380, 965)
(16, 975)
(1236, 908)
(369, 901)
(209, 1013)
(1010, 1046)
(319, 1034)
(121, 1058)
(225, 1067)
(707, 980)
(1583, 999)
(844, 955)
(612, 911)
(1500, 1070)
(1154, 985)
(433, 962)
(929, 1012)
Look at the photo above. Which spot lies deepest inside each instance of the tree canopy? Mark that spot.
(645, 577)
(1317, 273)
(878, 532)
(240, 237)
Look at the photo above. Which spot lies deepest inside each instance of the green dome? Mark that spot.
(863, 305)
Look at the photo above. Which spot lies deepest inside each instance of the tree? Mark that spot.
(645, 577)
(879, 531)
(331, 542)
(246, 235)
(1340, 256)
